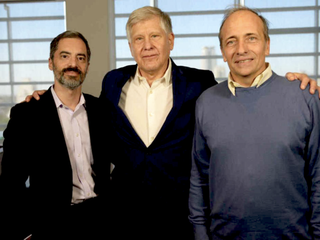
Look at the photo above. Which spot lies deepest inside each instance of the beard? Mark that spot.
(70, 82)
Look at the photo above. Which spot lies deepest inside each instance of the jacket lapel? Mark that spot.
(179, 85)
(121, 80)
(51, 119)
(120, 117)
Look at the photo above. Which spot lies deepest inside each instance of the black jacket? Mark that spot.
(152, 183)
(35, 148)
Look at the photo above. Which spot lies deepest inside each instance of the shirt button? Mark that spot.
(151, 92)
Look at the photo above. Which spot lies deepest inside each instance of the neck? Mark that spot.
(245, 81)
(151, 76)
(69, 98)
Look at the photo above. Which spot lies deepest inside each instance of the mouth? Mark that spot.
(244, 61)
(71, 71)
(150, 56)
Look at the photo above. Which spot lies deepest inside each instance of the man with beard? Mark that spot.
(67, 169)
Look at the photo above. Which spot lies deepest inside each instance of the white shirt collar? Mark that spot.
(258, 81)
(59, 104)
(166, 78)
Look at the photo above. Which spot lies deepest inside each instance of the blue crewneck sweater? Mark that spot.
(256, 164)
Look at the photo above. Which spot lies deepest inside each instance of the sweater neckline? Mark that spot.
(250, 89)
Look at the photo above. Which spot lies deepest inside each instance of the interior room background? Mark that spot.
(27, 28)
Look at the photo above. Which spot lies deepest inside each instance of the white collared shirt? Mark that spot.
(147, 107)
(258, 81)
(76, 134)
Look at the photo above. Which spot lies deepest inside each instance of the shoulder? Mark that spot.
(121, 72)
(22, 108)
(194, 76)
(214, 96)
(220, 90)
(24, 117)
(34, 105)
(90, 98)
(283, 82)
(291, 88)
(96, 106)
(194, 73)
(116, 78)
(93, 103)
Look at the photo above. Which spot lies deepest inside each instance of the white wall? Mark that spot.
(91, 19)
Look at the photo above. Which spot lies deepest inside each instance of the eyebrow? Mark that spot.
(82, 54)
(246, 35)
(79, 54)
(250, 34)
(64, 52)
(226, 40)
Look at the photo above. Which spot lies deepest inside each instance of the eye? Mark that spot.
(252, 39)
(138, 39)
(64, 56)
(81, 58)
(230, 42)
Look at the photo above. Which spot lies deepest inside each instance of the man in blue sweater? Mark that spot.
(256, 159)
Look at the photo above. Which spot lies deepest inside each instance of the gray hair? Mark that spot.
(146, 13)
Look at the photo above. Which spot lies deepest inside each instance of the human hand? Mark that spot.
(36, 95)
(305, 80)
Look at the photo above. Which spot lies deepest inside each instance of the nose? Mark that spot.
(73, 61)
(147, 44)
(242, 48)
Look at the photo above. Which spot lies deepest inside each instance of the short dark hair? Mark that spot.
(68, 34)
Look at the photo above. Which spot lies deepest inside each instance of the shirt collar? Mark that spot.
(59, 104)
(166, 78)
(258, 81)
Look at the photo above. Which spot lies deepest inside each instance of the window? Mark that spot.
(199, 35)
(294, 32)
(26, 30)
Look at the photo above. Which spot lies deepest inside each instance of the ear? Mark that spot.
(50, 64)
(267, 51)
(223, 55)
(131, 50)
(88, 67)
(171, 40)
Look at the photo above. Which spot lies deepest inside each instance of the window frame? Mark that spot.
(279, 31)
(10, 41)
